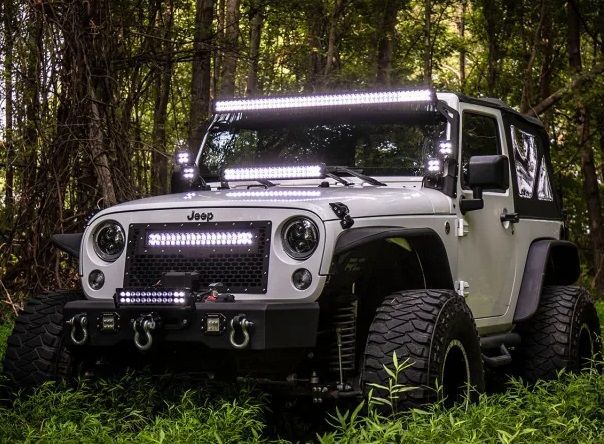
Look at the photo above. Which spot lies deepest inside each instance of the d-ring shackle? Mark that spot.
(147, 324)
(241, 322)
(81, 321)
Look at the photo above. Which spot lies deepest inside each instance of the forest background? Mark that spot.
(95, 96)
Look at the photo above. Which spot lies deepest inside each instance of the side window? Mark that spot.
(480, 137)
(531, 176)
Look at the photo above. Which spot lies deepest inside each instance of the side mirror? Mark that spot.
(485, 172)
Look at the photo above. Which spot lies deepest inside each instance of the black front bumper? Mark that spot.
(276, 325)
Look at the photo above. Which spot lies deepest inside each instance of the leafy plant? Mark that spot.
(394, 389)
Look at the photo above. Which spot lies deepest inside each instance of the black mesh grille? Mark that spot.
(240, 270)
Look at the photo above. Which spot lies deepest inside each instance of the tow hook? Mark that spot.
(78, 322)
(240, 324)
(143, 326)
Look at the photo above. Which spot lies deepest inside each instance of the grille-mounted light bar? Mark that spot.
(199, 238)
(152, 296)
(361, 98)
(275, 172)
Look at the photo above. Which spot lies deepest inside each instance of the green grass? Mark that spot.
(570, 409)
(600, 308)
(132, 409)
(141, 409)
(5, 331)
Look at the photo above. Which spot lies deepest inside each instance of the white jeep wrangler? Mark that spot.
(312, 237)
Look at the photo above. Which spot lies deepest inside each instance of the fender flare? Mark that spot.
(549, 262)
(426, 242)
(69, 243)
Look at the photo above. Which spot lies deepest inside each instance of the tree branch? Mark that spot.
(555, 97)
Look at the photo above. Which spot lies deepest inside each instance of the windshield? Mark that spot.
(383, 146)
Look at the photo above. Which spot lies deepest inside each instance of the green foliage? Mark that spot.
(570, 409)
(133, 409)
(5, 331)
(600, 309)
(393, 390)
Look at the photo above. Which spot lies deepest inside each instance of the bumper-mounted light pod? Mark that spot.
(321, 100)
(152, 296)
(275, 172)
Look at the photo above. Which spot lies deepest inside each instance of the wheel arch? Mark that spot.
(427, 244)
(549, 262)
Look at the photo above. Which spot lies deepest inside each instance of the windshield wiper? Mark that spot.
(368, 179)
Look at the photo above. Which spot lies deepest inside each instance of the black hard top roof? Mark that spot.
(499, 104)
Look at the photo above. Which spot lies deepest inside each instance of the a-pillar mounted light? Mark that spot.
(186, 176)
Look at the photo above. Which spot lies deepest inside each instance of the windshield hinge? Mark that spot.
(341, 211)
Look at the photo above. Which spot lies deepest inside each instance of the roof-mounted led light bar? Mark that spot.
(152, 296)
(360, 98)
(199, 238)
(275, 172)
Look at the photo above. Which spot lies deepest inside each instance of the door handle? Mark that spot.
(509, 217)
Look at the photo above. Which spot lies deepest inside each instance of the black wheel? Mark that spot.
(564, 333)
(36, 351)
(434, 330)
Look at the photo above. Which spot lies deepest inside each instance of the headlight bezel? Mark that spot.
(288, 248)
(103, 255)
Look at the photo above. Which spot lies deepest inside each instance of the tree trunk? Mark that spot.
(386, 31)
(330, 58)
(591, 187)
(315, 18)
(527, 85)
(31, 98)
(200, 79)
(546, 48)
(8, 110)
(427, 42)
(461, 31)
(231, 35)
(256, 19)
(217, 45)
(491, 14)
(159, 160)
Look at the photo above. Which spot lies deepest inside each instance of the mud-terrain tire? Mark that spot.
(564, 333)
(36, 350)
(435, 331)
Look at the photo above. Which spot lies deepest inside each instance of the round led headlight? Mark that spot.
(300, 237)
(109, 240)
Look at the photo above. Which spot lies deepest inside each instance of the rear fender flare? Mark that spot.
(549, 262)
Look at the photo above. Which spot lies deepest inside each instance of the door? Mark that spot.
(486, 247)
